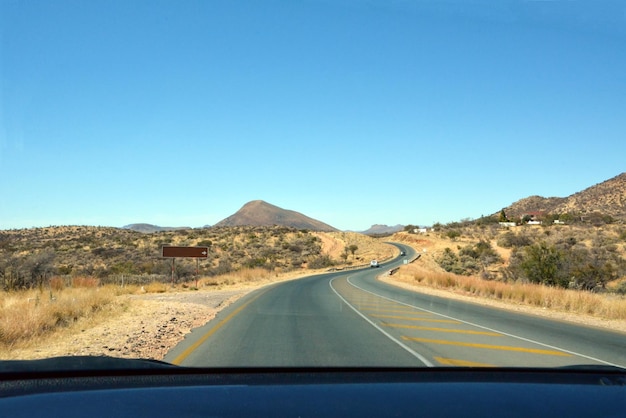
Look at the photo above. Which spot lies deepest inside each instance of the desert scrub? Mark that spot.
(601, 305)
(28, 314)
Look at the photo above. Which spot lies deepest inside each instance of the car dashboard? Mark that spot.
(160, 390)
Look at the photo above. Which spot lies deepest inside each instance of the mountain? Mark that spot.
(383, 229)
(149, 228)
(607, 198)
(260, 213)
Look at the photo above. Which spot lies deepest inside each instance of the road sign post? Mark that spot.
(181, 252)
(168, 251)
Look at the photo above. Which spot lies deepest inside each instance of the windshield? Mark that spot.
(314, 183)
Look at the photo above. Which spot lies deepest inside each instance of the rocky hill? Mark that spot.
(378, 229)
(260, 213)
(607, 198)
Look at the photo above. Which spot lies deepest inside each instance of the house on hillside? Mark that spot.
(533, 217)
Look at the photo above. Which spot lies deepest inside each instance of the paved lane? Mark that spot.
(298, 323)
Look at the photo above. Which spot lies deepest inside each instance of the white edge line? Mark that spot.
(400, 343)
(489, 329)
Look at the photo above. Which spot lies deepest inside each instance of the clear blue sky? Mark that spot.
(353, 112)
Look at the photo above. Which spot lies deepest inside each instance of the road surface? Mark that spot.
(351, 319)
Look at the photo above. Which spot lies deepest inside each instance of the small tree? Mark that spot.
(40, 265)
(352, 248)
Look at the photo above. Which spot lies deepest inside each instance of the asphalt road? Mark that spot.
(351, 319)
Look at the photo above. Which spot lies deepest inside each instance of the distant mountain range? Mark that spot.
(260, 213)
(607, 198)
(149, 228)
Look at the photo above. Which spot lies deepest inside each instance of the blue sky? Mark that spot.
(351, 112)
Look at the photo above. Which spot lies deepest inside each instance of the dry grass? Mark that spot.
(155, 287)
(572, 301)
(29, 314)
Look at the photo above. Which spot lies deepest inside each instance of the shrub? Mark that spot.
(321, 261)
(542, 263)
(453, 234)
(510, 239)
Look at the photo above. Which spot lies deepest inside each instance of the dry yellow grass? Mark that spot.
(606, 306)
(29, 314)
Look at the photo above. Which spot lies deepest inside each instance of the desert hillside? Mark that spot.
(29, 257)
(606, 198)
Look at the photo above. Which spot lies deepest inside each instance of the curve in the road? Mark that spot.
(352, 319)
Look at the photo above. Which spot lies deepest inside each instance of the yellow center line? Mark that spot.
(489, 346)
(458, 331)
(462, 363)
(411, 318)
(182, 356)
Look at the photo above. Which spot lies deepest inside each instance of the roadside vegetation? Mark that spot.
(28, 314)
(29, 258)
(580, 255)
(601, 305)
(577, 268)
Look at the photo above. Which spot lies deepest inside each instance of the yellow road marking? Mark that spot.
(458, 331)
(411, 318)
(489, 346)
(182, 356)
(463, 363)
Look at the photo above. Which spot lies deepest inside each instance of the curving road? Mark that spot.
(351, 319)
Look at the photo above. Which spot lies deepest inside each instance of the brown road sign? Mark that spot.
(175, 252)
